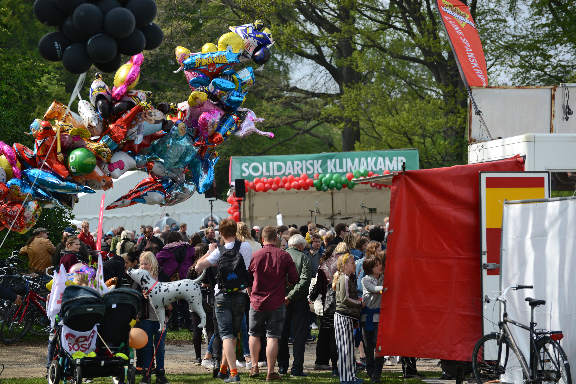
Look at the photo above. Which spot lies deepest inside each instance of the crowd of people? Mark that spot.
(266, 288)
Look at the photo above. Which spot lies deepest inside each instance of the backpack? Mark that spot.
(232, 275)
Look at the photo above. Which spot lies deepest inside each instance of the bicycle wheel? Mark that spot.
(490, 358)
(552, 362)
(13, 328)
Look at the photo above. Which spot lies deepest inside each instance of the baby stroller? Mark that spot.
(93, 335)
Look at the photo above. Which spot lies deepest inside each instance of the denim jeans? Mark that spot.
(373, 364)
(154, 343)
(229, 313)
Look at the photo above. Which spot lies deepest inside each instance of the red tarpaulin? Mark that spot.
(465, 42)
(433, 305)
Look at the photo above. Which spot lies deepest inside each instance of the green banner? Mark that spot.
(250, 167)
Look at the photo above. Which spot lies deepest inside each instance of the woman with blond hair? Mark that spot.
(150, 324)
(348, 310)
(243, 234)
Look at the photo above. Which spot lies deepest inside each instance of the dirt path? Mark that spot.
(29, 360)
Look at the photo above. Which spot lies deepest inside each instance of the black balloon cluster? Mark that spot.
(96, 32)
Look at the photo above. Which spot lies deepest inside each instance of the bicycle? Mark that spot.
(20, 319)
(493, 353)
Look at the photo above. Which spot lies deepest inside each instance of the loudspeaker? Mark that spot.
(240, 188)
(211, 193)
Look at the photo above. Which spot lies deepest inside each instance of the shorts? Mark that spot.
(269, 322)
(229, 312)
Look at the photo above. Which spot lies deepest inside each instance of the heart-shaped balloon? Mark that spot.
(20, 217)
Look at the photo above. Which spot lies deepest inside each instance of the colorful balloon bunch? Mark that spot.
(118, 130)
(213, 110)
(325, 182)
(234, 210)
(96, 32)
(287, 182)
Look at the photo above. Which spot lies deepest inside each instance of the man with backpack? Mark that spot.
(231, 260)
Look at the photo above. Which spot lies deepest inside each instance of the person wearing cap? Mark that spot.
(256, 234)
(39, 250)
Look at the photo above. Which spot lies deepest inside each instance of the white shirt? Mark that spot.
(245, 251)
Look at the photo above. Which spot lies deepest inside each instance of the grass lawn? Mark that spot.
(316, 378)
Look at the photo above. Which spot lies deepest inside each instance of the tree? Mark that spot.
(362, 45)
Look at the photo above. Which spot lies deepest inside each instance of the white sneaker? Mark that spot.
(248, 365)
(208, 363)
(262, 364)
(239, 364)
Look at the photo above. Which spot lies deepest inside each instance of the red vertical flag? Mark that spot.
(465, 42)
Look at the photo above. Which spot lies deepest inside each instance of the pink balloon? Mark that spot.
(119, 92)
(10, 155)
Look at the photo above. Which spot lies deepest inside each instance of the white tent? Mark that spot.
(192, 211)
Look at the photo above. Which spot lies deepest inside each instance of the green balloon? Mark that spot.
(81, 161)
(338, 186)
(357, 174)
(325, 179)
(351, 185)
(324, 187)
(331, 184)
(318, 183)
(319, 187)
(364, 172)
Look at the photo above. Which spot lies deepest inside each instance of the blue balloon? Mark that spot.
(53, 183)
(24, 188)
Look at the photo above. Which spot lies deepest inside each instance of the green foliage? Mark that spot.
(53, 219)
(529, 42)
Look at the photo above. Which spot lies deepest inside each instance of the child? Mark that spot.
(371, 297)
(151, 325)
(348, 309)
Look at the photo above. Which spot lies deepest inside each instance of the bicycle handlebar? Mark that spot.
(502, 297)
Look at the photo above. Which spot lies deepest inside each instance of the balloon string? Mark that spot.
(75, 93)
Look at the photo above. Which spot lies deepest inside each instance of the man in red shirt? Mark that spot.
(273, 269)
(86, 237)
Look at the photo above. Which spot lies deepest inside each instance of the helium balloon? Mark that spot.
(127, 76)
(102, 48)
(48, 12)
(74, 34)
(119, 23)
(110, 66)
(76, 59)
(81, 161)
(144, 11)
(49, 181)
(52, 45)
(89, 18)
(108, 5)
(133, 44)
(119, 164)
(137, 338)
(261, 56)
(68, 6)
(20, 217)
(209, 47)
(230, 41)
(25, 155)
(153, 35)
(12, 167)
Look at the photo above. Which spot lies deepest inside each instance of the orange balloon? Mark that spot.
(138, 338)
